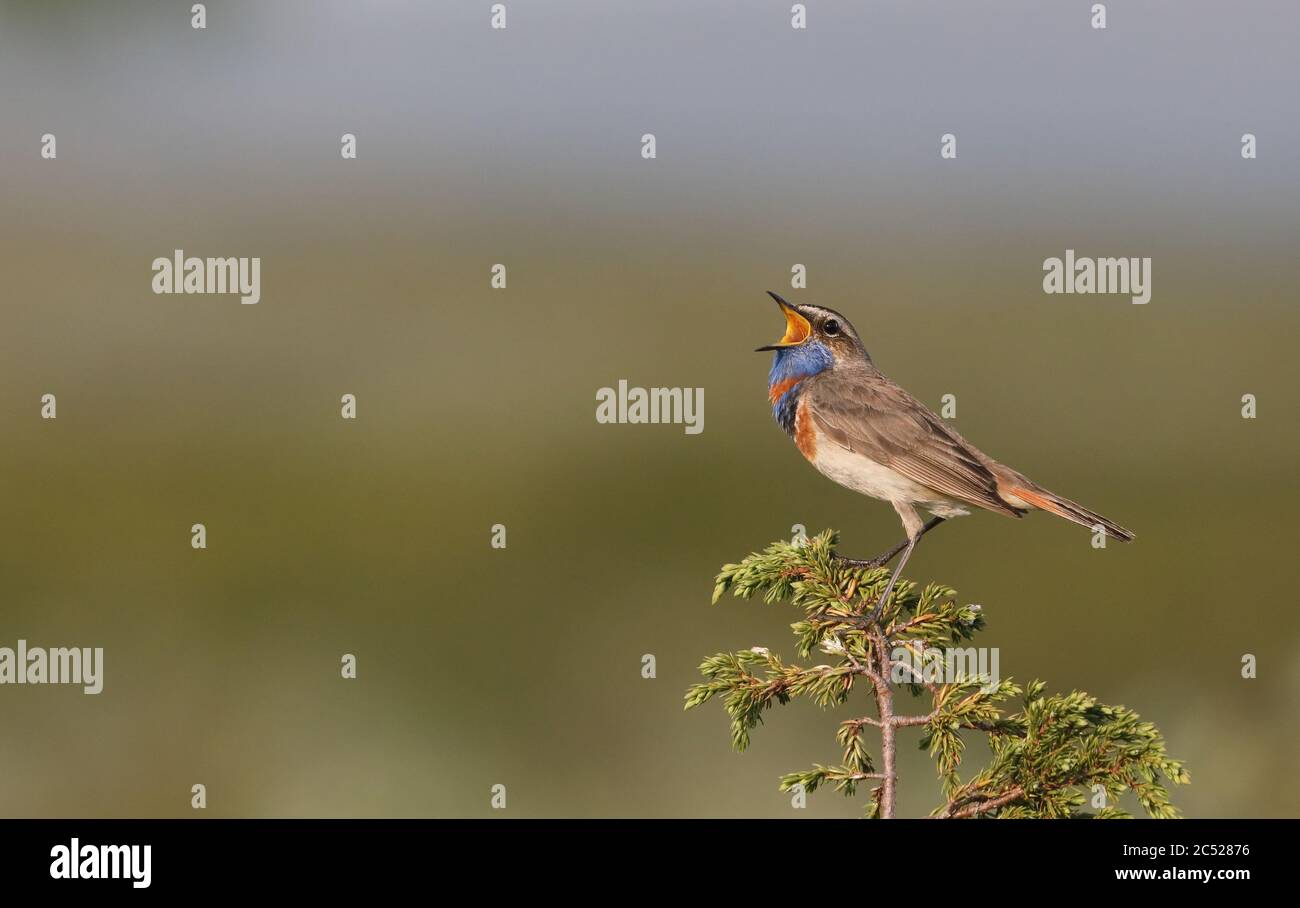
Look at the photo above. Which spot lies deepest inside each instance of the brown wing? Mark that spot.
(867, 413)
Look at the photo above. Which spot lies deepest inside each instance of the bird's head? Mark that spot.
(815, 339)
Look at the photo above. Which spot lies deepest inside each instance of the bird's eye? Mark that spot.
(831, 328)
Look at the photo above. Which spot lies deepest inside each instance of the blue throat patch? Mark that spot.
(795, 364)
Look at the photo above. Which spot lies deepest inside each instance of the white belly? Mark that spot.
(862, 474)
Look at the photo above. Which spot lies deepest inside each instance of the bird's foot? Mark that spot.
(878, 561)
(876, 612)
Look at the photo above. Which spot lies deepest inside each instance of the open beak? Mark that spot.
(797, 328)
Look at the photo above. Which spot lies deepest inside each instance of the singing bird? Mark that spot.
(865, 432)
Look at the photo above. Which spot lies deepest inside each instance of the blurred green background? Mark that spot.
(476, 406)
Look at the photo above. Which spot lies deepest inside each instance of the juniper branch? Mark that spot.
(1045, 757)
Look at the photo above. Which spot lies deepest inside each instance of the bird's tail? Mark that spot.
(1063, 507)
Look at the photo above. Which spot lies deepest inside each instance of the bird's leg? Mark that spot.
(889, 587)
(882, 560)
